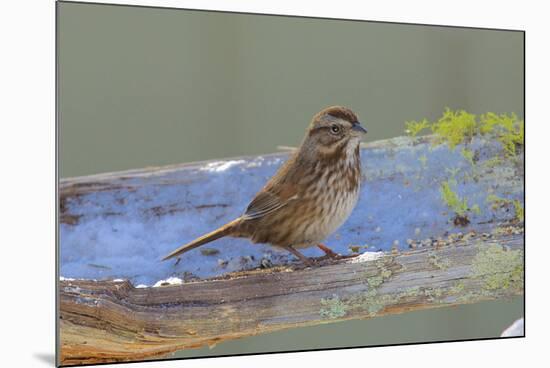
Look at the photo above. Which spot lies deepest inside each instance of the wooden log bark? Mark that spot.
(112, 320)
(107, 321)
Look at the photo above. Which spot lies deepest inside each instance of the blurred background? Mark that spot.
(144, 86)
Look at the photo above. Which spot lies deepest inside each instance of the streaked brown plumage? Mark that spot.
(311, 195)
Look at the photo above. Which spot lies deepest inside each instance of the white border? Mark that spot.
(465, 13)
(27, 184)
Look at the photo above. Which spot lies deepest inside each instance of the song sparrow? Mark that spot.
(310, 196)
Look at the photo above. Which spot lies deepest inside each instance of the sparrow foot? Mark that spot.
(329, 252)
(305, 260)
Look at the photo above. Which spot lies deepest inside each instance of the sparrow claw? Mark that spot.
(329, 252)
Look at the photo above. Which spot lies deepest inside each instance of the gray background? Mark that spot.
(142, 86)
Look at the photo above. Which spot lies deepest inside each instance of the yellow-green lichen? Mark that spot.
(375, 281)
(431, 294)
(499, 268)
(497, 202)
(383, 273)
(371, 301)
(457, 288)
(377, 303)
(436, 261)
(410, 292)
(333, 308)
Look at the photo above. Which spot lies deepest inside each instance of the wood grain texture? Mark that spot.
(112, 321)
(107, 321)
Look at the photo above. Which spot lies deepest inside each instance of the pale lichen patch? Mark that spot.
(499, 267)
(436, 261)
(333, 307)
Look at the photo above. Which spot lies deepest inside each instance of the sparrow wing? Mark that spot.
(267, 202)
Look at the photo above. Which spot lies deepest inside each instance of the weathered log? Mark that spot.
(110, 320)
(106, 321)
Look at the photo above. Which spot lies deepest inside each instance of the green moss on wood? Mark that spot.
(452, 200)
(497, 202)
(455, 127)
(507, 129)
(469, 155)
(520, 212)
(459, 127)
(455, 203)
(493, 162)
(413, 128)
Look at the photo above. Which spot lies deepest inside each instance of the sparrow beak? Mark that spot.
(358, 128)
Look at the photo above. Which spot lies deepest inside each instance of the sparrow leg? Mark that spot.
(177, 261)
(329, 252)
(299, 255)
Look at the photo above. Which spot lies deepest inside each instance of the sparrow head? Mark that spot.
(336, 126)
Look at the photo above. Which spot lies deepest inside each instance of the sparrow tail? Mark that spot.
(207, 238)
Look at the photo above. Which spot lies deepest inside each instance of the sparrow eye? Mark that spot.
(335, 129)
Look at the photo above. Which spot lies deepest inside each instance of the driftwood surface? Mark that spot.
(110, 319)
